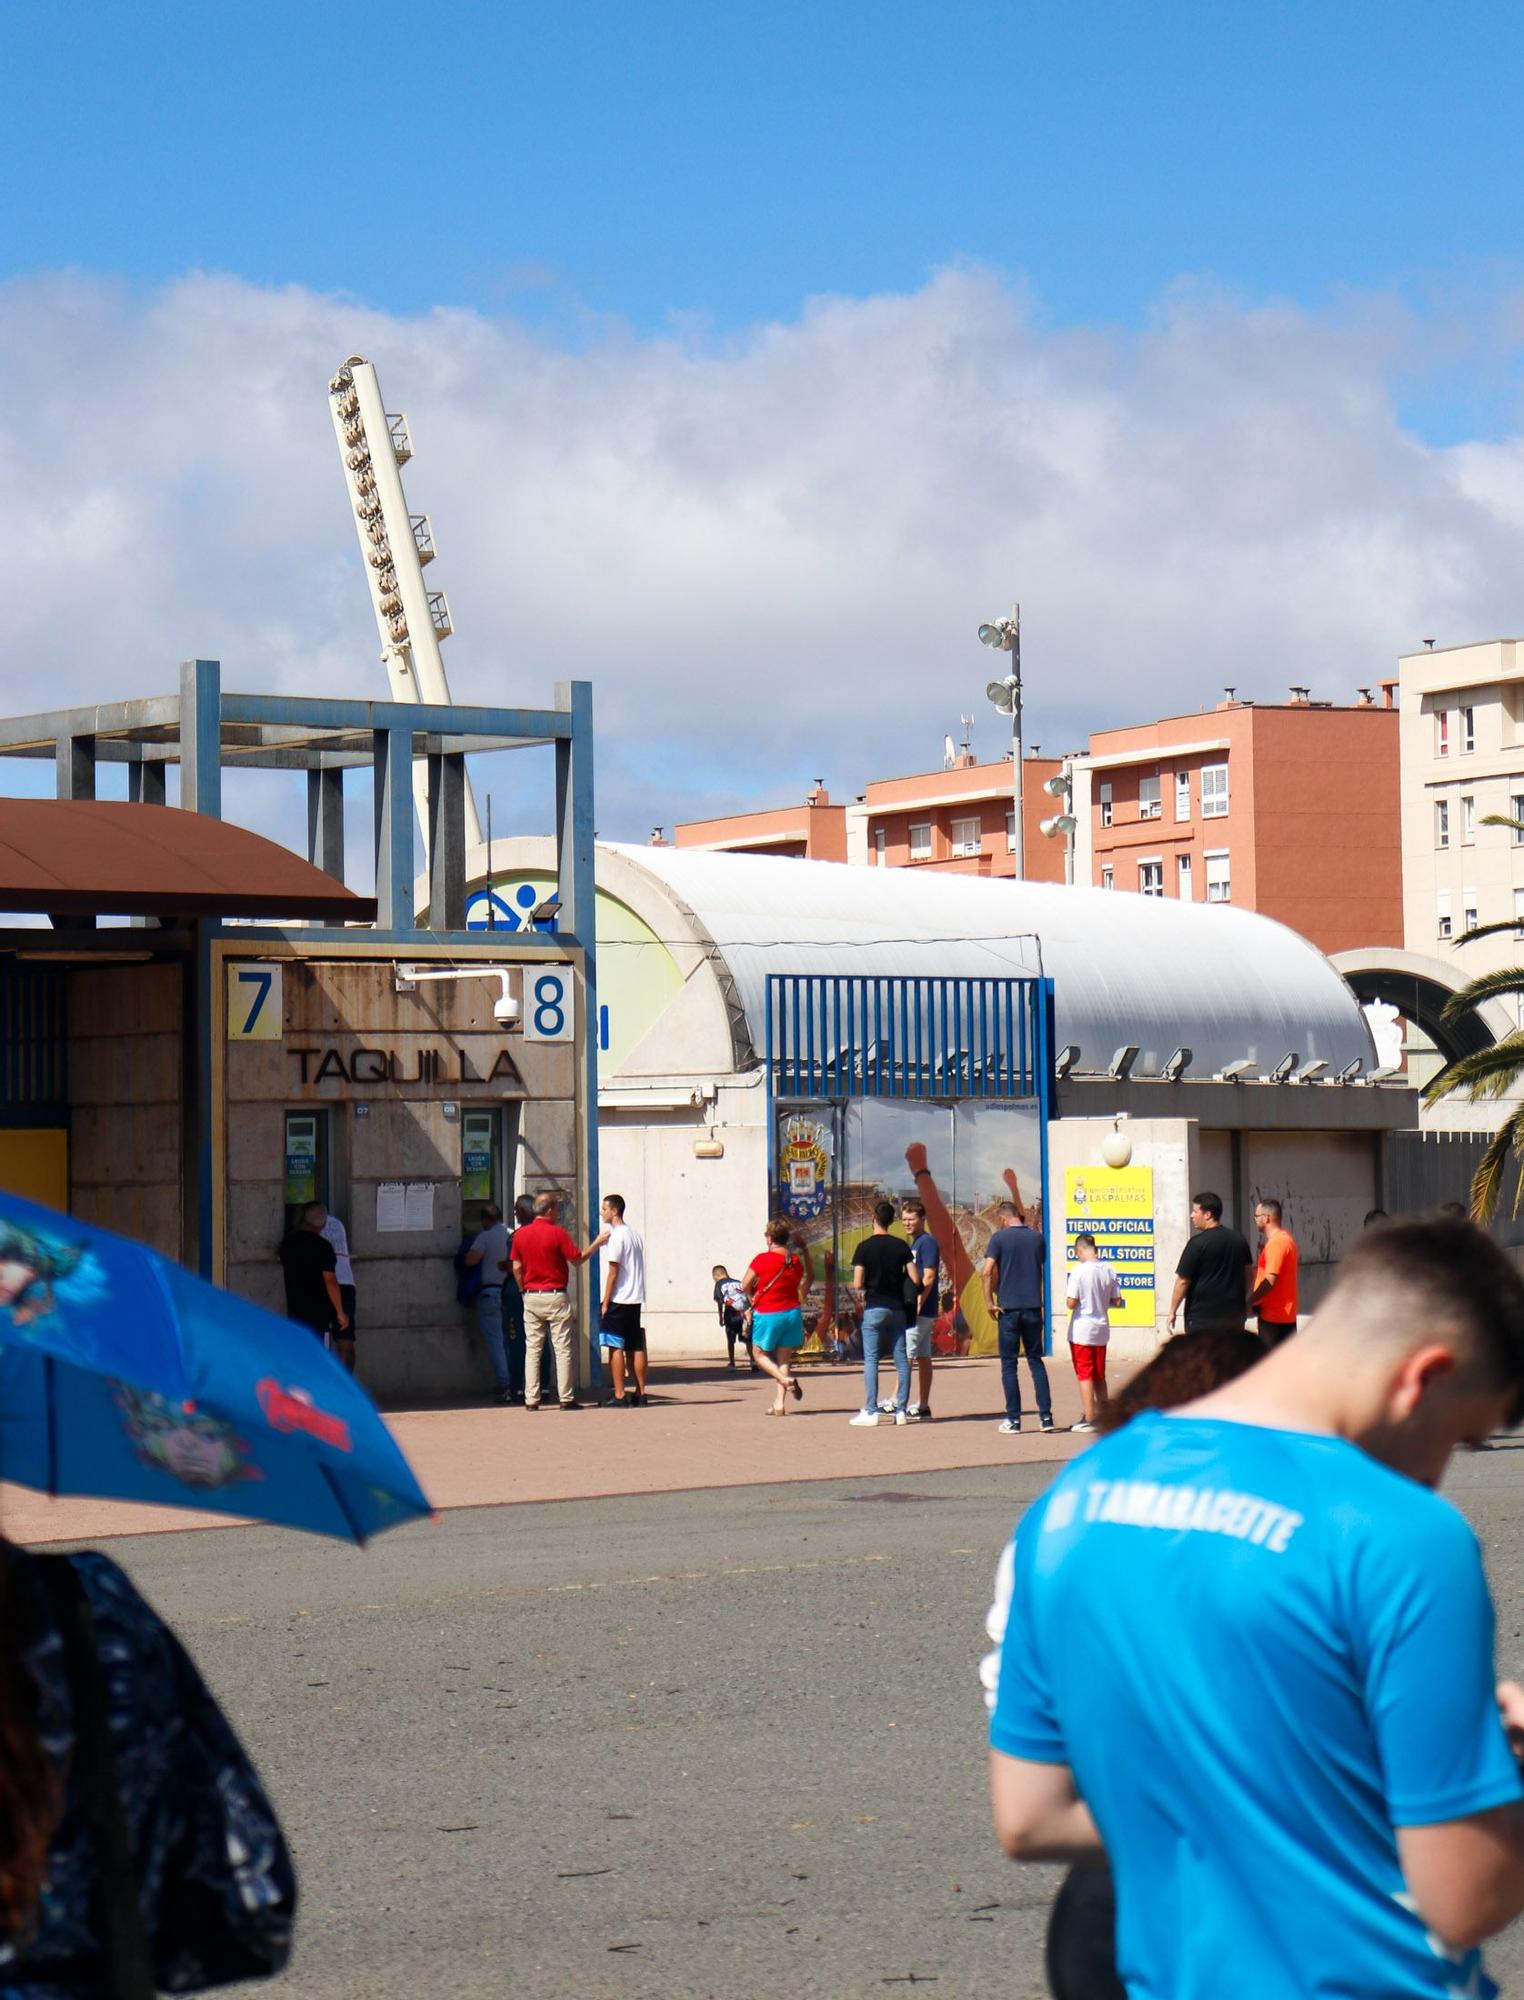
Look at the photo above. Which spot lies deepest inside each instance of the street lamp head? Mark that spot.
(999, 692)
(995, 635)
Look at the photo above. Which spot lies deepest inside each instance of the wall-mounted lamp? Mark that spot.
(505, 1009)
(1177, 1065)
(1121, 1064)
(1235, 1072)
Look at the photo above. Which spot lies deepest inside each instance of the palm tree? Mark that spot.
(1490, 1073)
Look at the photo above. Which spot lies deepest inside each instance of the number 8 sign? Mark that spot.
(548, 1004)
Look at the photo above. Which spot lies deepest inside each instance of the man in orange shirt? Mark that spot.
(1274, 1293)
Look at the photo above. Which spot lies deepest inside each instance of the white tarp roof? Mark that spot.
(1125, 968)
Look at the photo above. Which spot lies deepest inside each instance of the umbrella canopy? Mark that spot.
(125, 1378)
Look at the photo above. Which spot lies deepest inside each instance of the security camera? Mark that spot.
(505, 1009)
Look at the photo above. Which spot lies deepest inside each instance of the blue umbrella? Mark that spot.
(124, 1377)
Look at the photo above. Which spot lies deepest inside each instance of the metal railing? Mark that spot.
(830, 1036)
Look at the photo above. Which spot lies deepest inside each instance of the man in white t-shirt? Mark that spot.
(620, 1332)
(334, 1232)
(1091, 1293)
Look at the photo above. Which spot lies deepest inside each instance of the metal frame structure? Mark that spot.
(204, 731)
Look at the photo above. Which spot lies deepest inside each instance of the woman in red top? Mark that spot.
(772, 1284)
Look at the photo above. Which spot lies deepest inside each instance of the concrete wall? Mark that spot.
(1325, 1181)
(413, 1339)
(692, 1213)
(125, 1135)
(1169, 1146)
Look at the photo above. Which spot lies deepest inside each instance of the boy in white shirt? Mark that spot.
(1090, 1294)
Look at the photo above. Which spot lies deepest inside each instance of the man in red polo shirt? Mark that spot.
(543, 1254)
(1274, 1296)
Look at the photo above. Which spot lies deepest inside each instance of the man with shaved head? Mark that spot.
(1301, 1768)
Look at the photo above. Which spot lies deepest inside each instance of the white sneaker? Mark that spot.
(1082, 1426)
(1009, 1425)
(919, 1413)
(901, 1417)
(888, 1409)
(867, 1417)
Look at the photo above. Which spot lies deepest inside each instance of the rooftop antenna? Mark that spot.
(949, 754)
(968, 736)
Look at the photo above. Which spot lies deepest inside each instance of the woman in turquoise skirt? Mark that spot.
(772, 1283)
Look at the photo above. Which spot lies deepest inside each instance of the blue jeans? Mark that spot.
(489, 1323)
(1021, 1333)
(884, 1331)
(513, 1336)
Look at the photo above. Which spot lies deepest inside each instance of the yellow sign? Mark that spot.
(256, 1008)
(1116, 1205)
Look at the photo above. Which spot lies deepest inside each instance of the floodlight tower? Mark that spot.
(411, 618)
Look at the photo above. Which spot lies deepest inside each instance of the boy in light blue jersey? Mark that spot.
(1249, 1648)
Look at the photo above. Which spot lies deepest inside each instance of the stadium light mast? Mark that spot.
(410, 618)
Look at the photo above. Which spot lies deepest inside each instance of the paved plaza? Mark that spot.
(723, 1741)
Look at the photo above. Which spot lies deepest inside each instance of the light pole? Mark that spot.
(1005, 636)
(1061, 787)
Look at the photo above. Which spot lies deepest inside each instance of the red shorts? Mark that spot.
(1089, 1362)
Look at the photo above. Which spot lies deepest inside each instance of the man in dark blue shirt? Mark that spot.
(1014, 1268)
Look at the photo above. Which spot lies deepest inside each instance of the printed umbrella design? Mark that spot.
(124, 1377)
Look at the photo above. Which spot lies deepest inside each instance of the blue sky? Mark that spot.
(691, 162)
(768, 347)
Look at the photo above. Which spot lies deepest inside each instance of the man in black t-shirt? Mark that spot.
(1214, 1274)
(312, 1287)
(879, 1264)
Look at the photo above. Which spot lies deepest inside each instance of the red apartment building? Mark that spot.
(813, 831)
(962, 820)
(1291, 810)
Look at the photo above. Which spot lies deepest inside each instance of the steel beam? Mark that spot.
(325, 821)
(447, 843)
(394, 829)
(201, 737)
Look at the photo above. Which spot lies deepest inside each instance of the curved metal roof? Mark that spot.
(101, 857)
(1223, 982)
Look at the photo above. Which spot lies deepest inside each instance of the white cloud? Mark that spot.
(769, 555)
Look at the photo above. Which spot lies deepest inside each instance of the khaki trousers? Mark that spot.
(548, 1313)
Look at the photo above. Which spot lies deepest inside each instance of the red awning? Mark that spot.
(96, 857)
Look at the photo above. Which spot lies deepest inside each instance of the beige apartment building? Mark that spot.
(1462, 731)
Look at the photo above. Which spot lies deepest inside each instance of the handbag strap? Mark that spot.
(123, 1935)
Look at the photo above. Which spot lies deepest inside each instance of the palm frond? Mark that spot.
(1487, 986)
(1484, 1073)
(1504, 819)
(1487, 1181)
(1513, 924)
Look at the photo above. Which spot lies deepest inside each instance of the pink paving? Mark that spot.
(704, 1428)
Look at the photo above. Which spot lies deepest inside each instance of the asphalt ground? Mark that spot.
(724, 1743)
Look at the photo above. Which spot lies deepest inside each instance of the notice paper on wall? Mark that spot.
(404, 1205)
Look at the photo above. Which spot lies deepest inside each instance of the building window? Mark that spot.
(1441, 822)
(1182, 795)
(1148, 797)
(1150, 878)
(1442, 903)
(1442, 732)
(967, 836)
(1516, 811)
(1108, 879)
(1468, 821)
(1469, 918)
(1219, 880)
(1183, 877)
(1214, 791)
(1106, 805)
(879, 844)
(1518, 912)
(920, 841)
(1010, 833)
(1468, 729)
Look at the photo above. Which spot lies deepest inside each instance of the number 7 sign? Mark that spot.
(256, 1008)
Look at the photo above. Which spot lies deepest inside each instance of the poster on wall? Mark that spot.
(835, 1162)
(1116, 1205)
